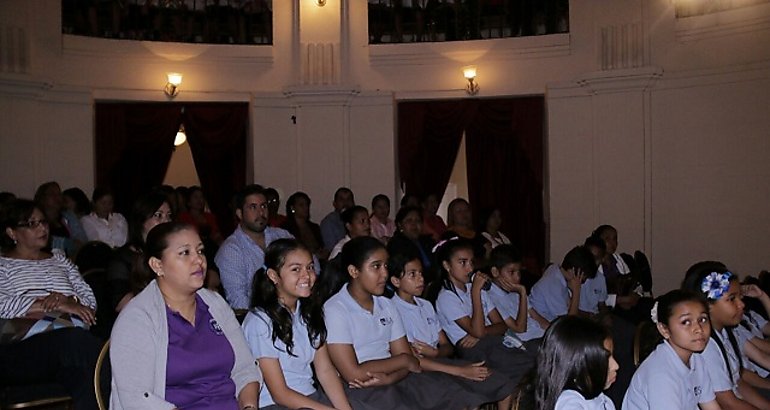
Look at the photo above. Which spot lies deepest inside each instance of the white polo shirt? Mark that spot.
(664, 382)
(550, 296)
(420, 320)
(369, 333)
(755, 323)
(593, 292)
(715, 365)
(507, 304)
(258, 329)
(452, 306)
(572, 400)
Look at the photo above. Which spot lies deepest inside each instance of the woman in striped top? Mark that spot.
(36, 284)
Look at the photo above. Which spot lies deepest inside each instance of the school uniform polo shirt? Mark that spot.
(370, 333)
(453, 305)
(258, 329)
(507, 304)
(721, 380)
(593, 292)
(550, 296)
(755, 323)
(572, 400)
(663, 381)
(420, 320)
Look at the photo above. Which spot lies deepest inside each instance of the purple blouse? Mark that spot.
(200, 360)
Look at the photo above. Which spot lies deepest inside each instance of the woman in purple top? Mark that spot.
(176, 345)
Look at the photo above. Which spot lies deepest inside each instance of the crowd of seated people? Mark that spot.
(348, 316)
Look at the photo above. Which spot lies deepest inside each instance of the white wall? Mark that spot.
(662, 133)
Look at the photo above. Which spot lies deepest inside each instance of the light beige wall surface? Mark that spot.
(662, 132)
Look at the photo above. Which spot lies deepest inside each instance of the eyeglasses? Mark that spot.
(33, 223)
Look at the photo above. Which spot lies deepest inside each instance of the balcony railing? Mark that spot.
(404, 21)
(189, 21)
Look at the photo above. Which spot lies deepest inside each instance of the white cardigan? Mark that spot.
(139, 346)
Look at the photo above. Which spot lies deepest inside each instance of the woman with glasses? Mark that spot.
(45, 307)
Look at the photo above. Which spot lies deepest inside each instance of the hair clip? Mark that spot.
(654, 313)
(715, 284)
(441, 243)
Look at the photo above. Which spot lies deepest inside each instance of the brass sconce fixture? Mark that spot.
(172, 85)
(469, 72)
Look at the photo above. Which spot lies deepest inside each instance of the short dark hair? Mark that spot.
(253, 189)
(349, 214)
(293, 198)
(271, 192)
(11, 215)
(407, 197)
(595, 241)
(44, 187)
(340, 190)
(670, 300)
(357, 250)
(504, 255)
(157, 242)
(403, 212)
(380, 197)
(599, 231)
(397, 260)
(581, 258)
(82, 204)
(99, 193)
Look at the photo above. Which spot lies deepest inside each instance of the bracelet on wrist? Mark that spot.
(249, 407)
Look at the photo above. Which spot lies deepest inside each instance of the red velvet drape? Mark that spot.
(217, 136)
(504, 153)
(134, 143)
(133, 146)
(429, 136)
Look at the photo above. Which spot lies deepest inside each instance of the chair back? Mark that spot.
(93, 255)
(105, 317)
(102, 377)
(645, 271)
(646, 338)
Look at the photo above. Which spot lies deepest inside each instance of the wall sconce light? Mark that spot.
(469, 72)
(172, 86)
(181, 136)
(320, 3)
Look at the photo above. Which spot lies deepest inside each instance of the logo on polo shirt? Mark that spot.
(432, 320)
(215, 327)
(386, 321)
(697, 390)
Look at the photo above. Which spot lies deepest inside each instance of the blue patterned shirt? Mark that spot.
(238, 259)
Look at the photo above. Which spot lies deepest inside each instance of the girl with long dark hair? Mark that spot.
(286, 332)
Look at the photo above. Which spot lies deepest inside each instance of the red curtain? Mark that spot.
(429, 136)
(504, 152)
(133, 146)
(134, 143)
(217, 136)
